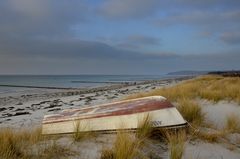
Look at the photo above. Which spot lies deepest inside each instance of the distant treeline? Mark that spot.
(226, 73)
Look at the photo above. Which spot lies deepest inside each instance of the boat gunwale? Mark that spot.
(109, 131)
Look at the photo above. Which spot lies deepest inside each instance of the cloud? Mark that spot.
(143, 40)
(231, 37)
(115, 9)
(135, 42)
(42, 29)
(68, 48)
(40, 18)
(214, 17)
(209, 20)
(205, 34)
(40, 36)
(132, 9)
(29, 8)
(212, 25)
(158, 64)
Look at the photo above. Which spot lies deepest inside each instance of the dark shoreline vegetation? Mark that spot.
(226, 73)
(31, 144)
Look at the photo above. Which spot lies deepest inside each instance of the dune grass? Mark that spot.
(191, 111)
(232, 124)
(126, 146)
(13, 143)
(107, 154)
(210, 87)
(82, 132)
(28, 144)
(145, 128)
(211, 137)
(176, 143)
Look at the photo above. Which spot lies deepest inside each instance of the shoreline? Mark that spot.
(62, 92)
(28, 109)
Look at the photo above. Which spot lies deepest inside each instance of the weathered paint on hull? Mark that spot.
(113, 116)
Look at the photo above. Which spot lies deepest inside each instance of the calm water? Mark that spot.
(67, 81)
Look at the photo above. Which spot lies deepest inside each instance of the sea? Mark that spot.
(21, 83)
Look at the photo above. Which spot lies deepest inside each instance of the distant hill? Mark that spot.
(232, 73)
(188, 73)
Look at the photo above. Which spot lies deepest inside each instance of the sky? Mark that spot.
(118, 36)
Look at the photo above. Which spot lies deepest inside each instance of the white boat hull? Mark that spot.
(98, 118)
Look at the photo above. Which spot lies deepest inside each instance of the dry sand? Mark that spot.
(27, 110)
(216, 114)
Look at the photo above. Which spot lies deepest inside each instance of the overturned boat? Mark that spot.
(113, 116)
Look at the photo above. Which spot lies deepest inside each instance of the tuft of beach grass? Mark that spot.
(13, 143)
(144, 128)
(191, 111)
(174, 138)
(232, 124)
(82, 131)
(126, 146)
(211, 137)
(176, 142)
(29, 144)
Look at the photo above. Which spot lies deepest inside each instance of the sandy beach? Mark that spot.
(26, 111)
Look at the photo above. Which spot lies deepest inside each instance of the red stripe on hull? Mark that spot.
(114, 109)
